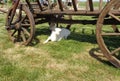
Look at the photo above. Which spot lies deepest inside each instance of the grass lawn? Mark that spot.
(76, 59)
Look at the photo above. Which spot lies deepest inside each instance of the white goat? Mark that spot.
(57, 33)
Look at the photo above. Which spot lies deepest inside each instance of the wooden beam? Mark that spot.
(60, 5)
(100, 4)
(40, 6)
(91, 5)
(74, 4)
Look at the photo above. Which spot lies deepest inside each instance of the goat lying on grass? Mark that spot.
(58, 33)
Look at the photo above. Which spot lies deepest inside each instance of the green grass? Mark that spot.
(73, 59)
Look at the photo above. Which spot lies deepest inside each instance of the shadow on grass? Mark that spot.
(81, 37)
(78, 36)
(111, 42)
(38, 32)
(97, 54)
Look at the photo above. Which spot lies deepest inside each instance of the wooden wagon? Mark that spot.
(21, 19)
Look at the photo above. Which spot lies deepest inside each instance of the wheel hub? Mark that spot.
(18, 26)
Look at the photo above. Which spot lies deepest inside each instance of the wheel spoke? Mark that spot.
(23, 18)
(110, 34)
(23, 36)
(12, 34)
(15, 21)
(27, 25)
(115, 17)
(20, 13)
(18, 16)
(116, 50)
(25, 31)
(18, 35)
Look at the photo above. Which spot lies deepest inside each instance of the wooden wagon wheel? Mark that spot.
(107, 38)
(21, 27)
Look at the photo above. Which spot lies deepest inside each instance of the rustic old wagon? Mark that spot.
(22, 17)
